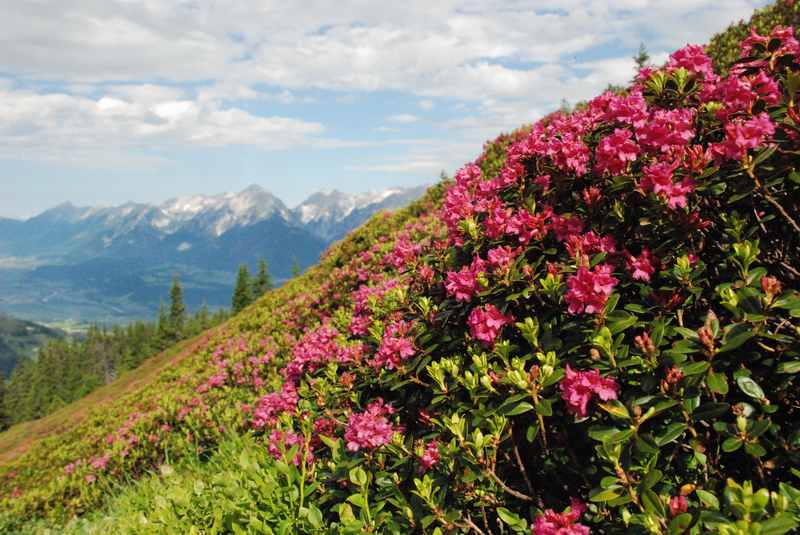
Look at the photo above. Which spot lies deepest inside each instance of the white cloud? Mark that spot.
(58, 126)
(504, 62)
(402, 118)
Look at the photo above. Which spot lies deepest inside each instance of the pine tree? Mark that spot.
(263, 280)
(162, 330)
(296, 271)
(641, 58)
(177, 310)
(242, 293)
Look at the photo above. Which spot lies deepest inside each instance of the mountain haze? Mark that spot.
(99, 263)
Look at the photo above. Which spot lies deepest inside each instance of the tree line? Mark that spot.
(68, 369)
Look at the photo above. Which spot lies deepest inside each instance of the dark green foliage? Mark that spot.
(68, 369)
(723, 49)
(20, 338)
(242, 292)
(177, 310)
(296, 271)
(642, 58)
(263, 281)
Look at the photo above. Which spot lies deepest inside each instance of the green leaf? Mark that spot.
(621, 322)
(616, 409)
(680, 524)
(731, 444)
(735, 337)
(695, 368)
(708, 411)
(611, 303)
(778, 525)
(357, 500)
(672, 432)
(520, 408)
(358, 476)
(604, 495)
(789, 367)
(717, 382)
(314, 516)
(707, 499)
(750, 387)
(652, 503)
(508, 517)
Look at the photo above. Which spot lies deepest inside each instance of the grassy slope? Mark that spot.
(32, 477)
(33, 466)
(15, 441)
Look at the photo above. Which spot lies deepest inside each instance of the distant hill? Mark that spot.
(19, 338)
(112, 264)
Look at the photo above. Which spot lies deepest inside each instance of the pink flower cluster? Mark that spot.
(588, 290)
(430, 455)
(396, 346)
(742, 135)
(281, 442)
(577, 389)
(486, 322)
(641, 267)
(658, 178)
(371, 428)
(463, 284)
(615, 152)
(565, 523)
(272, 405)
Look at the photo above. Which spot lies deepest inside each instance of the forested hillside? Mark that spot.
(19, 339)
(594, 327)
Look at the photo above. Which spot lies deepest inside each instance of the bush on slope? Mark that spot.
(186, 411)
(609, 323)
(724, 47)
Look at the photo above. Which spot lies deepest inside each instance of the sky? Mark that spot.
(108, 101)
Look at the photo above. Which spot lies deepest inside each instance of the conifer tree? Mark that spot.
(296, 271)
(641, 58)
(263, 281)
(177, 310)
(162, 330)
(242, 293)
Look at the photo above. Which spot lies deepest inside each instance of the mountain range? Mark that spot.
(116, 263)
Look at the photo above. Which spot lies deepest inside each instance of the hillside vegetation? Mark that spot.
(19, 339)
(594, 327)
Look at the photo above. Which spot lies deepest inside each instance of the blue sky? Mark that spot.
(108, 101)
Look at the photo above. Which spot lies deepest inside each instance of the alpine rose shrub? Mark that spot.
(601, 310)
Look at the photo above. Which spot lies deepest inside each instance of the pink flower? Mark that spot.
(565, 523)
(658, 178)
(271, 406)
(463, 284)
(591, 196)
(743, 135)
(615, 151)
(692, 58)
(641, 267)
(678, 505)
(430, 456)
(395, 347)
(280, 442)
(500, 258)
(100, 463)
(589, 290)
(565, 226)
(667, 130)
(590, 243)
(485, 323)
(577, 389)
(370, 429)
